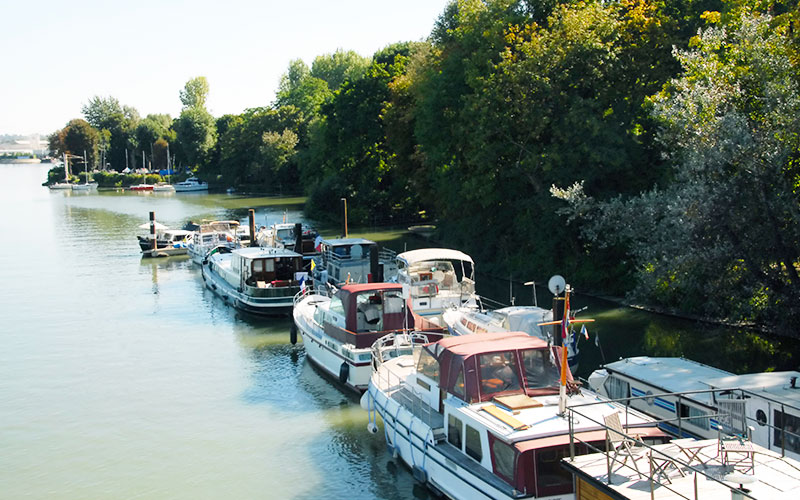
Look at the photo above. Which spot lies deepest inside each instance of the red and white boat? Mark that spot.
(481, 416)
(142, 187)
(339, 328)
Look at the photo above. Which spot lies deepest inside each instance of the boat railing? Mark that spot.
(309, 290)
(653, 474)
(730, 418)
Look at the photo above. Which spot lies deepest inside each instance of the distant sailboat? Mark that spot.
(86, 186)
(65, 184)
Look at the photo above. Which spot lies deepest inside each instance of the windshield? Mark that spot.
(540, 372)
(498, 372)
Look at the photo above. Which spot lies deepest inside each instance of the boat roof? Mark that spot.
(776, 385)
(178, 232)
(348, 241)
(265, 252)
(470, 345)
(368, 287)
(669, 374)
(425, 254)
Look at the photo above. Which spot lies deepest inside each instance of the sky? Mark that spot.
(56, 55)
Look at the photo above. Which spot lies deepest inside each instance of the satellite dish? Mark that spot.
(557, 284)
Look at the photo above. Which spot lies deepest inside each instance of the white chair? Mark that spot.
(621, 445)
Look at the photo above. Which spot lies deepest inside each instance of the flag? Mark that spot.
(313, 265)
(565, 319)
(597, 340)
(584, 332)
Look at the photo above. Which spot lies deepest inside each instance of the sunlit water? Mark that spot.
(125, 378)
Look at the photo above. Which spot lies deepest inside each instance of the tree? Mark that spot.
(723, 238)
(339, 67)
(78, 136)
(106, 113)
(196, 131)
(194, 93)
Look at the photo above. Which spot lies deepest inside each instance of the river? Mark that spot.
(122, 377)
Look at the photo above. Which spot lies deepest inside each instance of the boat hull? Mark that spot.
(267, 306)
(432, 460)
(326, 353)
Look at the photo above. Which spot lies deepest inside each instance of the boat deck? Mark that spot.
(690, 469)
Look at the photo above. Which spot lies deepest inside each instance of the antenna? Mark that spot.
(533, 284)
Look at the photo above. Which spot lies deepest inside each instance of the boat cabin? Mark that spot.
(359, 314)
(497, 397)
(257, 267)
(347, 260)
(436, 277)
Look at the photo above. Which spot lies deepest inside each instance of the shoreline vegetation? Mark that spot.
(649, 151)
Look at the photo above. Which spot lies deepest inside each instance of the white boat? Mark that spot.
(86, 186)
(480, 416)
(163, 187)
(191, 184)
(698, 400)
(258, 280)
(339, 329)
(169, 242)
(210, 235)
(66, 184)
(436, 279)
(469, 319)
(350, 260)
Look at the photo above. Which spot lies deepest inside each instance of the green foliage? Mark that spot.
(194, 93)
(196, 131)
(723, 237)
(78, 136)
(117, 124)
(340, 67)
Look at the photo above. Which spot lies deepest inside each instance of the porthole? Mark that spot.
(761, 418)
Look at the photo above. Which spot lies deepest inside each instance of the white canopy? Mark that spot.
(425, 254)
(159, 226)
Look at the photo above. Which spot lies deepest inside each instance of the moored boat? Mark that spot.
(142, 187)
(339, 328)
(210, 235)
(258, 280)
(191, 184)
(351, 260)
(480, 416)
(163, 187)
(169, 242)
(700, 401)
(436, 279)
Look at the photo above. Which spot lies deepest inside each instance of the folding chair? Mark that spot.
(620, 444)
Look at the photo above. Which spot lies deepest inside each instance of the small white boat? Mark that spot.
(339, 330)
(258, 280)
(163, 187)
(169, 242)
(210, 235)
(86, 186)
(697, 400)
(191, 184)
(480, 416)
(66, 184)
(436, 279)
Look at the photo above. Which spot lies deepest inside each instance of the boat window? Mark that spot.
(337, 306)
(472, 443)
(540, 372)
(551, 478)
(285, 233)
(498, 372)
(694, 416)
(458, 387)
(503, 459)
(454, 428)
(617, 388)
(393, 302)
(792, 427)
(427, 365)
(369, 311)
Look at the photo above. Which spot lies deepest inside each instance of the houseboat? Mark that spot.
(339, 328)
(256, 280)
(481, 416)
(696, 400)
